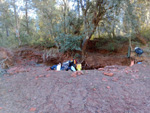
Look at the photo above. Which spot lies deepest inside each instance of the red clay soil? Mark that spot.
(34, 89)
(94, 58)
(97, 58)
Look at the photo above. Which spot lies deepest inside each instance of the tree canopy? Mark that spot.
(69, 24)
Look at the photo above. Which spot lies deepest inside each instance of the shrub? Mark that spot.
(109, 44)
(66, 42)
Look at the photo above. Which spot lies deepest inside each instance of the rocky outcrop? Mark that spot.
(6, 58)
(29, 54)
(52, 56)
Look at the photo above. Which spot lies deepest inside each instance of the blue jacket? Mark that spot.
(139, 51)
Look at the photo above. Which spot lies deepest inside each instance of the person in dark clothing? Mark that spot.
(139, 51)
(72, 65)
(53, 67)
(68, 65)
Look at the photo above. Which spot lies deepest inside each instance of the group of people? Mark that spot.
(68, 65)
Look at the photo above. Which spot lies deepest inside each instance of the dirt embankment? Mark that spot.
(93, 59)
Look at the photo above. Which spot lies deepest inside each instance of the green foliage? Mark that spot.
(112, 47)
(121, 39)
(111, 44)
(43, 42)
(46, 44)
(136, 43)
(10, 41)
(68, 42)
(57, 22)
(25, 38)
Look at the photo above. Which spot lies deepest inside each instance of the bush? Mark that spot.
(112, 47)
(69, 42)
(110, 44)
(10, 42)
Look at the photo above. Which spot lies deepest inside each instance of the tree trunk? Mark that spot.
(17, 23)
(97, 16)
(99, 34)
(64, 11)
(7, 32)
(130, 43)
(27, 23)
(78, 4)
(88, 37)
(113, 32)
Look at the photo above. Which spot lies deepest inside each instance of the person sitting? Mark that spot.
(138, 50)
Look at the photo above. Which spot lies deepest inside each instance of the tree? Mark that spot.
(4, 17)
(93, 13)
(17, 19)
(47, 17)
(27, 8)
(72, 19)
(132, 19)
(6, 24)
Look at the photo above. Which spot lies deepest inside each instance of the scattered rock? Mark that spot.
(32, 109)
(2, 71)
(15, 70)
(108, 74)
(30, 54)
(100, 69)
(74, 74)
(104, 80)
(115, 79)
(48, 75)
(108, 87)
(94, 89)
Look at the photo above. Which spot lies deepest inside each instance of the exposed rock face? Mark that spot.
(6, 58)
(29, 54)
(52, 56)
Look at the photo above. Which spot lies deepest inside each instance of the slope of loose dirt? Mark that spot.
(34, 89)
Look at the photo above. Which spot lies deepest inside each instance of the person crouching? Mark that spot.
(138, 51)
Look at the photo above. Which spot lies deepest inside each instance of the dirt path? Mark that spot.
(33, 89)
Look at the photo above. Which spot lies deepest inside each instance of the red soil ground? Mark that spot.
(34, 89)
